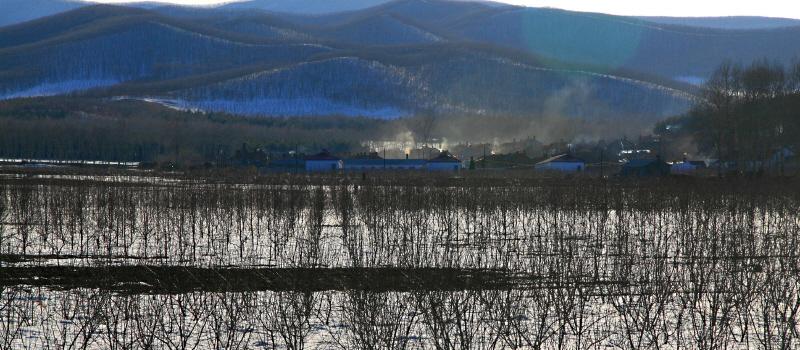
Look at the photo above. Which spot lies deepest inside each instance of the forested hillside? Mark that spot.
(351, 85)
(128, 130)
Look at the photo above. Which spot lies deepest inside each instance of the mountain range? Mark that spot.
(17, 11)
(376, 58)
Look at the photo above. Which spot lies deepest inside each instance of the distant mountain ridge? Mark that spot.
(308, 7)
(732, 22)
(18, 11)
(399, 58)
(657, 46)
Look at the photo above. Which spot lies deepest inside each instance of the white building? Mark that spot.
(563, 163)
(322, 162)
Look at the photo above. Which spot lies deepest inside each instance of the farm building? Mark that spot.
(444, 162)
(645, 168)
(323, 161)
(563, 163)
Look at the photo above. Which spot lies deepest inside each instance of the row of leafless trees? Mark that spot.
(544, 318)
(595, 230)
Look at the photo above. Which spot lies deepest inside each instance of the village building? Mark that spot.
(444, 162)
(562, 163)
(645, 168)
(373, 162)
(323, 161)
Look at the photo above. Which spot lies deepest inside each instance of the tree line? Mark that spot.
(747, 116)
(71, 128)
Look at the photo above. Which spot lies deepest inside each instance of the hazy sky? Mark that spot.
(770, 8)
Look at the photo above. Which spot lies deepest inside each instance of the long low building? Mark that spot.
(444, 162)
(563, 163)
(384, 164)
(325, 162)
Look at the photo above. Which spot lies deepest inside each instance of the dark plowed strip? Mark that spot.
(152, 279)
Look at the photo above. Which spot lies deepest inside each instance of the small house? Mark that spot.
(563, 163)
(645, 168)
(323, 161)
(444, 162)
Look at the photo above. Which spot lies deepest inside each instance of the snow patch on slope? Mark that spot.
(290, 107)
(58, 88)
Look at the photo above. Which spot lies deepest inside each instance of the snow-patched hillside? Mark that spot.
(339, 86)
(473, 84)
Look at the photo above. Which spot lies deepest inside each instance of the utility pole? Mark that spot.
(483, 163)
(601, 163)
(296, 165)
